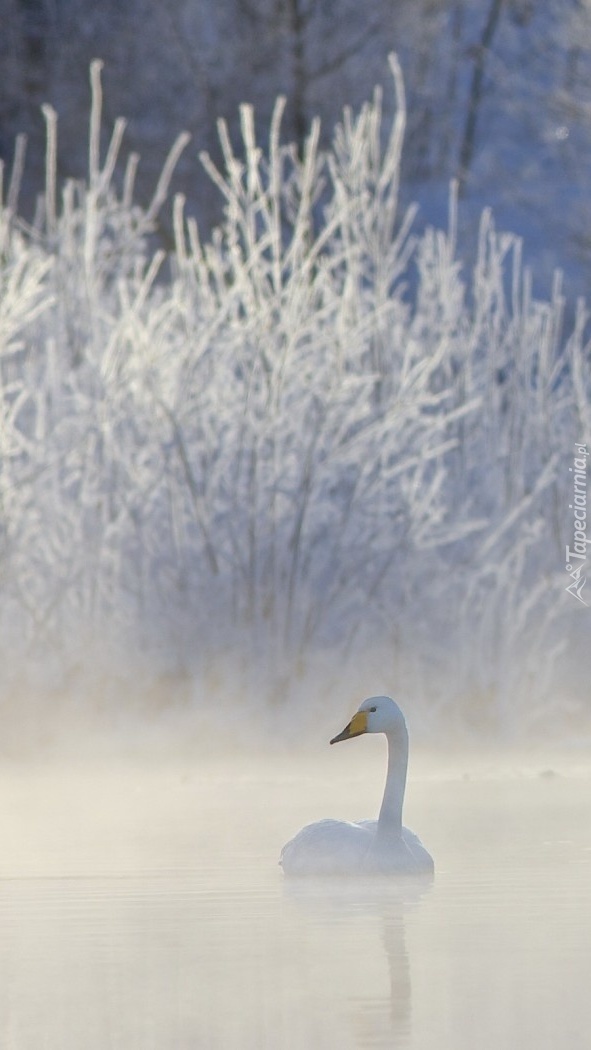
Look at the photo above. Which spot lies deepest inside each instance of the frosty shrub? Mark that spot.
(316, 440)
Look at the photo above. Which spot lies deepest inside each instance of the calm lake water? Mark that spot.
(143, 909)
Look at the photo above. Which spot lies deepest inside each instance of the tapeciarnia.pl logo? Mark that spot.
(576, 559)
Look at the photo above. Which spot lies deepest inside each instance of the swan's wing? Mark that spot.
(371, 825)
(329, 847)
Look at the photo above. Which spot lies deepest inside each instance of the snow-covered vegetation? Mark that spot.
(498, 91)
(312, 445)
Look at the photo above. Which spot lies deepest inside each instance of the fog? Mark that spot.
(141, 905)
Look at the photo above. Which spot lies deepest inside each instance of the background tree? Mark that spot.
(499, 95)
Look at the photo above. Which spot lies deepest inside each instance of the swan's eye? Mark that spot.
(372, 710)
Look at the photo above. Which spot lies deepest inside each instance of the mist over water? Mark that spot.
(141, 905)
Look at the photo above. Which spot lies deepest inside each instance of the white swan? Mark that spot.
(383, 846)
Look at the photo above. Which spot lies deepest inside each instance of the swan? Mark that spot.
(382, 846)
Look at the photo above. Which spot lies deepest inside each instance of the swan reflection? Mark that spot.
(372, 958)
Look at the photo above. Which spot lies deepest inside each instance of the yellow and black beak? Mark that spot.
(357, 726)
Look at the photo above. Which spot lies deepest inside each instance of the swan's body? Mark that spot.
(382, 846)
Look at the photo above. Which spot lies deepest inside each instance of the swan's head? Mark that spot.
(377, 714)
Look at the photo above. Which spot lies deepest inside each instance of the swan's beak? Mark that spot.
(356, 727)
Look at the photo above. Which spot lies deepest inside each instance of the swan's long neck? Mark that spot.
(390, 818)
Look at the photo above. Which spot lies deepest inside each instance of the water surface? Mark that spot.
(142, 907)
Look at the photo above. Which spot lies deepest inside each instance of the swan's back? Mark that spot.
(338, 847)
